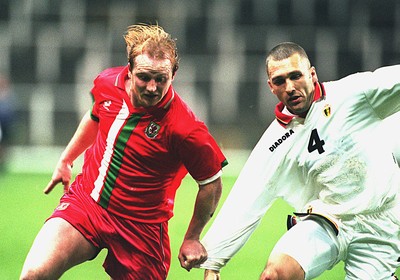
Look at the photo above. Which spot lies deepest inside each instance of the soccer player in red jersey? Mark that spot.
(140, 139)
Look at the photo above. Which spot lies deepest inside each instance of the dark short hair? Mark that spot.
(283, 51)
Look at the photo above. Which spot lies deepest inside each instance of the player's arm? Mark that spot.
(192, 252)
(254, 191)
(82, 139)
(210, 274)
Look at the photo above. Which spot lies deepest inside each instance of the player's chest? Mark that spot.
(324, 135)
(134, 133)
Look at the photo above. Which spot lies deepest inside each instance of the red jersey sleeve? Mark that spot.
(201, 155)
(103, 90)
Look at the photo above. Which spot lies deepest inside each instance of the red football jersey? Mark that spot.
(141, 155)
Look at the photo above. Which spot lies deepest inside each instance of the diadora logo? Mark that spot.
(107, 104)
(152, 130)
(281, 140)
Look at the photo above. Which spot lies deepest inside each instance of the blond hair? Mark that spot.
(153, 40)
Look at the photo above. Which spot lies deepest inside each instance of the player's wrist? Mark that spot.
(67, 162)
(192, 235)
(210, 274)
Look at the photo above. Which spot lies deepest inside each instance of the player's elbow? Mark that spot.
(29, 275)
(34, 274)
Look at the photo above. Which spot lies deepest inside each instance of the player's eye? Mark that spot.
(278, 81)
(296, 76)
(160, 79)
(144, 77)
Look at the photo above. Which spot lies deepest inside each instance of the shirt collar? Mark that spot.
(284, 119)
(121, 77)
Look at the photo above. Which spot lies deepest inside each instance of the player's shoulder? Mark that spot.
(358, 82)
(182, 118)
(181, 110)
(106, 82)
(109, 74)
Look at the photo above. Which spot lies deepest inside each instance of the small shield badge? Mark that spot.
(327, 110)
(152, 130)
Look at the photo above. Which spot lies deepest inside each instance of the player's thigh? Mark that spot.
(57, 247)
(372, 257)
(313, 244)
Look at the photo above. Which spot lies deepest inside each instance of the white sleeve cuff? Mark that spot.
(214, 264)
(209, 180)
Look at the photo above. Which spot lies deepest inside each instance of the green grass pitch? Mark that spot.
(23, 208)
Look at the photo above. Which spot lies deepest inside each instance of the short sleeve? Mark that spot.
(201, 155)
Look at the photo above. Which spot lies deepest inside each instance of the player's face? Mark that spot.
(292, 81)
(150, 80)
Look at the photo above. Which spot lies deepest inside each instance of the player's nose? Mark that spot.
(289, 87)
(151, 85)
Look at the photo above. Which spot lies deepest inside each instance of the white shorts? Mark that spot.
(369, 245)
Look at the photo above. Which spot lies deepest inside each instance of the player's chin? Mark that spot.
(149, 101)
(297, 109)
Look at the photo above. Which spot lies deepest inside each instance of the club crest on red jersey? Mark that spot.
(152, 130)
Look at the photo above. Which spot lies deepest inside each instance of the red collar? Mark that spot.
(121, 77)
(285, 119)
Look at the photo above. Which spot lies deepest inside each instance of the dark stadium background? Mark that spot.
(51, 50)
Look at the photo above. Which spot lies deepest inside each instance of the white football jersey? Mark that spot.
(339, 160)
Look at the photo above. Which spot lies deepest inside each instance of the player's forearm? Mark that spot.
(82, 139)
(205, 206)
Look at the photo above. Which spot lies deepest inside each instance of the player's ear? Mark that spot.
(270, 86)
(313, 74)
(173, 74)
(129, 71)
(174, 70)
(131, 65)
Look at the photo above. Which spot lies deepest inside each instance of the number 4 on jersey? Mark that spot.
(315, 143)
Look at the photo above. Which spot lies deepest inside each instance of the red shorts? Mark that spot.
(135, 250)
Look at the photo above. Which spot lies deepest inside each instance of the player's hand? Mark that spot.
(211, 275)
(62, 174)
(191, 254)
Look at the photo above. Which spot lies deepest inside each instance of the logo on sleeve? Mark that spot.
(107, 104)
(152, 130)
(62, 206)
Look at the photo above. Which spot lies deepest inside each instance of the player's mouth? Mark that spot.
(150, 96)
(293, 100)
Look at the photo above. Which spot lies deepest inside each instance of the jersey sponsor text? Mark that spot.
(280, 140)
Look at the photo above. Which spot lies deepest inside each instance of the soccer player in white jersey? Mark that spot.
(330, 156)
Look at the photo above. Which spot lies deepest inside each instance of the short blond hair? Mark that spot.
(151, 39)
